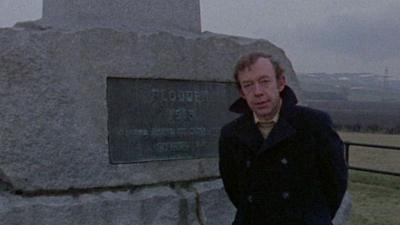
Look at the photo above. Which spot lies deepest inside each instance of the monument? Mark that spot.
(128, 15)
(110, 114)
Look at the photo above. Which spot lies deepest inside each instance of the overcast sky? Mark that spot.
(317, 36)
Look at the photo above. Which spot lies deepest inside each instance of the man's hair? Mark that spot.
(246, 61)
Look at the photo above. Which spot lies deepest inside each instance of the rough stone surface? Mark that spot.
(189, 208)
(150, 206)
(133, 15)
(53, 131)
(199, 203)
(216, 209)
(343, 214)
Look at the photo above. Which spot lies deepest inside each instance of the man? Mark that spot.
(281, 164)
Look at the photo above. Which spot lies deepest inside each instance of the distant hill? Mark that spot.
(356, 101)
(352, 86)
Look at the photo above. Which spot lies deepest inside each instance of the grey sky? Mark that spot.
(318, 36)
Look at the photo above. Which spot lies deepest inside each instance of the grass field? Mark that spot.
(376, 198)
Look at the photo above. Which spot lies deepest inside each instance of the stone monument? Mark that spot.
(128, 15)
(110, 114)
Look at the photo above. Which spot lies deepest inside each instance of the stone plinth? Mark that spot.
(133, 15)
(53, 87)
(201, 203)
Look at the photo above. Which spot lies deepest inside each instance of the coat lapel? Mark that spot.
(281, 131)
(249, 134)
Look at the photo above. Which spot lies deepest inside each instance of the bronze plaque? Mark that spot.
(157, 119)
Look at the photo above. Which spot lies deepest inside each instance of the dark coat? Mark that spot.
(296, 176)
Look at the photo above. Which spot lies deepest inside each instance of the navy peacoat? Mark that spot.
(296, 176)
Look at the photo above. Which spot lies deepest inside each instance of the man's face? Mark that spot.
(260, 88)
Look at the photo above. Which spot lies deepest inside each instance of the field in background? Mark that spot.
(372, 157)
(376, 198)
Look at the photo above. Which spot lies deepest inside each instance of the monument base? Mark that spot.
(196, 203)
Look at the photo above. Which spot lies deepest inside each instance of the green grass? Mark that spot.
(376, 198)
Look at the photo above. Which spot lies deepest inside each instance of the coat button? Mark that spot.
(284, 161)
(285, 195)
(250, 198)
(248, 163)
